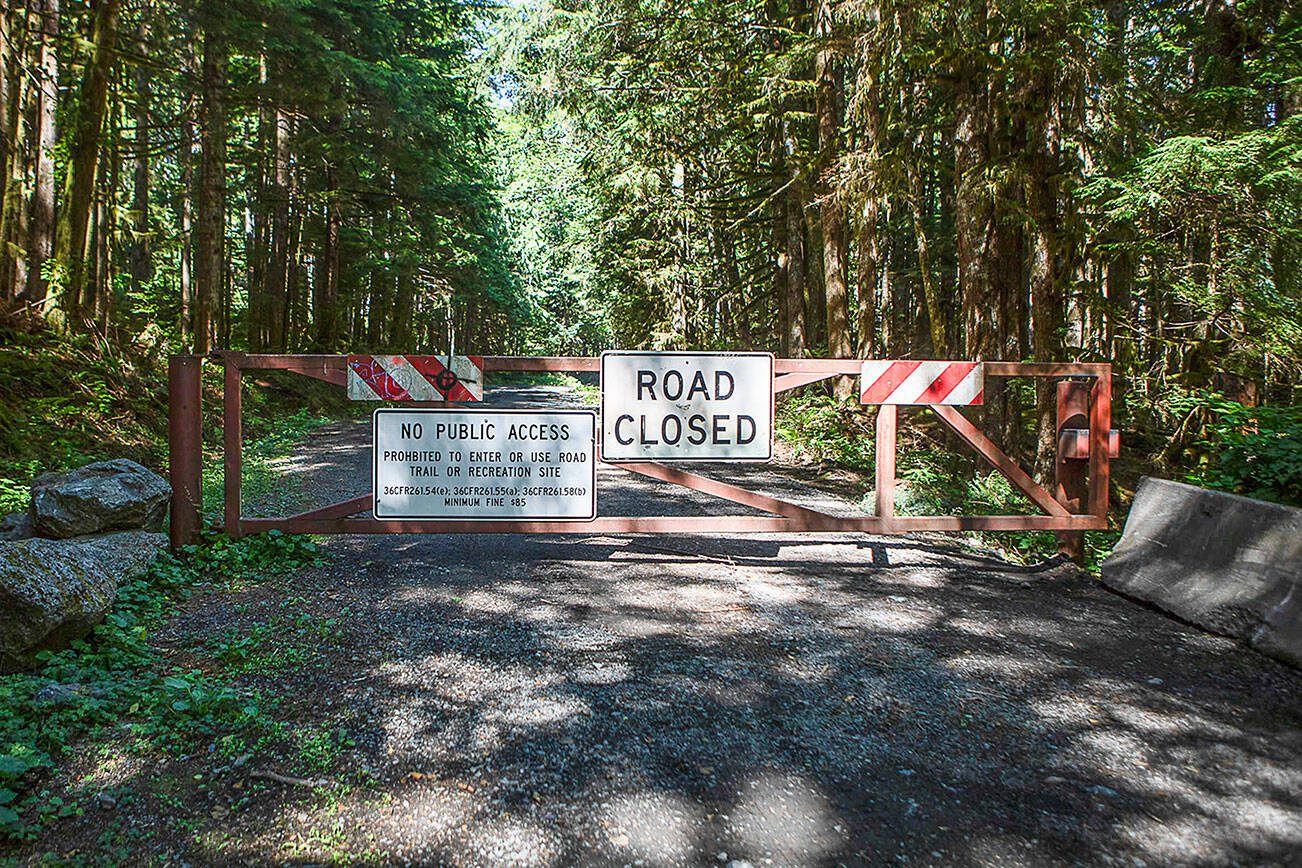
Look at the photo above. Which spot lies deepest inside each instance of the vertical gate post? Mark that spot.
(1069, 473)
(233, 445)
(884, 461)
(184, 448)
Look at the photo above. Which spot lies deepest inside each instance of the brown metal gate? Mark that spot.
(1078, 503)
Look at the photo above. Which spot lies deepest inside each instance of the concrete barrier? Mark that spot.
(1229, 564)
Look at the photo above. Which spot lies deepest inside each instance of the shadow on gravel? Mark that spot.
(534, 701)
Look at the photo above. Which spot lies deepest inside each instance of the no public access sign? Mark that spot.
(686, 406)
(490, 465)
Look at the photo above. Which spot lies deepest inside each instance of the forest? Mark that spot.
(1026, 180)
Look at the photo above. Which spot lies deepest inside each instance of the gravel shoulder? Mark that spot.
(784, 700)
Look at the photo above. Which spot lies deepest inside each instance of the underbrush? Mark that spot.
(69, 401)
(1253, 451)
(115, 686)
(935, 480)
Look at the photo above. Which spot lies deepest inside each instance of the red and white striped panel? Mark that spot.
(415, 378)
(910, 382)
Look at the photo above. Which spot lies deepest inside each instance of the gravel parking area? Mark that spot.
(776, 700)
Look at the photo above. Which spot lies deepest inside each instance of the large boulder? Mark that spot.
(108, 495)
(54, 591)
(1229, 564)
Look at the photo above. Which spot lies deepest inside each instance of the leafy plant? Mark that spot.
(1256, 451)
(115, 679)
(820, 428)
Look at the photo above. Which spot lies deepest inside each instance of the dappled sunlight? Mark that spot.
(784, 816)
(659, 828)
(511, 842)
(891, 617)
(662, 701)
(1003, 667)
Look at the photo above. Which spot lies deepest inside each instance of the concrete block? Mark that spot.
(1229, 564)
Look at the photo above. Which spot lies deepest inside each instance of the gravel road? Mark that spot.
(772, 700)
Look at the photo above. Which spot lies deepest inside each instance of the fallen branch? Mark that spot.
(289, 781)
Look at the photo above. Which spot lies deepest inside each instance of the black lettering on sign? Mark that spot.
(671, 438)
(743, 439)
(624, 441)
(698, 385)
(719, 377)
(718, 435)
(645, 440)
(673, 391)
(697, 424)
(647, 380)
(410, 429)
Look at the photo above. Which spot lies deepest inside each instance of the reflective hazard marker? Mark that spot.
(910, 382)
(490, 465)
(415, 378)
(686, 406)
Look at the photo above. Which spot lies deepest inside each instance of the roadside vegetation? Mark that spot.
(123, 696)
(118, 695)
(1254, 451)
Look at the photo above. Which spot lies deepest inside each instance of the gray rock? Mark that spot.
(1229, 564)
(55, 694)
(908, 500)
(108, 495)
(54, 591)
(16, 526)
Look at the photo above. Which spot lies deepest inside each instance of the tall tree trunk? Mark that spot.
(400, 334)
(794, 297)
(83, 158)
(13, 214)
(261, 303)
(1046, 275)
(930, 293)
(9, 19)
(278, 267)
(869, 250)
(140, 259)
(828, 103)
(40, 240)
(210, 233)
(325, 296)
(971, 201)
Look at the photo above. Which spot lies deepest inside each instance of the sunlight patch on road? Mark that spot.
(510, 841)
(891, 617)
(656, 827)
(785, 817)
(1005, 667)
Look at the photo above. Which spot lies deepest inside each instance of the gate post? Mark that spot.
(884, 461)
(233, 444)
(184, 448)
(1069, 473)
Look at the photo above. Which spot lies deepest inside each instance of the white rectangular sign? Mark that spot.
(489, 465)
(686, 406)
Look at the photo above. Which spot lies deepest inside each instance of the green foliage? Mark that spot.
(1255, 451)
(818, 427)
(116, 682)
(1241, 197)
(66, 401)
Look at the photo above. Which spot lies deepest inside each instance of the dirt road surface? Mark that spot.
(774, 700)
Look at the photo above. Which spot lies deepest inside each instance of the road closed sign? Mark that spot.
(686, 406)
(489, 465)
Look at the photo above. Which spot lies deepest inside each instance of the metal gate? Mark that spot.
(1078, 503)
